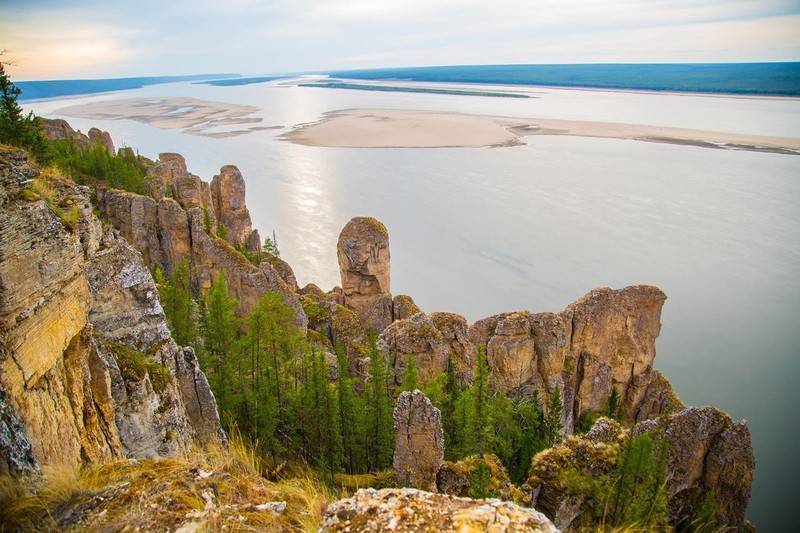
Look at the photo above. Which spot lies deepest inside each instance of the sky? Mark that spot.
(74, 39)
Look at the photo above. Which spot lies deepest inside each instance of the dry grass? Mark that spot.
(218, 489)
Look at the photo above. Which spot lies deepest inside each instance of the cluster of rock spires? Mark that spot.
(69, 325)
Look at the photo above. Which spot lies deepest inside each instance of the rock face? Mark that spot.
(419, 441)
(363, 251)
(87, 366)
(604, 340)
(411, 510)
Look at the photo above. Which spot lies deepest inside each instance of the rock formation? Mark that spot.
(418, 336)
(363, 251)
(166, 230)
(87, 366)
(227, 193)
(102, 138)
(419, 441)
(710, 454)
(411, 510)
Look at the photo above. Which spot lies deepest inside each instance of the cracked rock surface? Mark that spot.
(402, 510)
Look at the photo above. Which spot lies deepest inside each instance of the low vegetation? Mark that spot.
(217, 489)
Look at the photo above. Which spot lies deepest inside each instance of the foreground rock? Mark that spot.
(411, 510)
(419, 441)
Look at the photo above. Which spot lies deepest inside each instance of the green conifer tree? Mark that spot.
(24, 131)
(350, 415)
(552, 419)
(480, 423)
(613, 407)
(380, 433)
(410, 375)
(221, 330)
(178, 304)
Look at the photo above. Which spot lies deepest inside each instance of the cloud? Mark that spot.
(252, 36)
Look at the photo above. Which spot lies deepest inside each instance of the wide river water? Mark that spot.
(478, 231)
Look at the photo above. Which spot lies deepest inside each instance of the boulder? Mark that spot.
(412, 510)
(419, 441)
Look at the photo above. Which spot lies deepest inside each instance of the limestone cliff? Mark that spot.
(87, 367)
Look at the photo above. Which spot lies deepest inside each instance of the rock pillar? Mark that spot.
(363, 251)
(419, 441)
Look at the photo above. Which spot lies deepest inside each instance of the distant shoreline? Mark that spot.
(400, 128)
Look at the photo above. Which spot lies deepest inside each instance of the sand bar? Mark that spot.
(401, 128)
(174, 112)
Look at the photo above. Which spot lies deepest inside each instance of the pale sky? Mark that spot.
(66, 39)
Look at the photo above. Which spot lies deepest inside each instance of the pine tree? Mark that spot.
(221, 329)
(380, 434)
(24, 131)
(613, 407)
(480, 424)
(552, 419)
(179, 307)
(350, 416)
(329, 446)
(410, 375)
(281, 340)
(639, 493)
(271, 245)
(453, 431)
(479, 481)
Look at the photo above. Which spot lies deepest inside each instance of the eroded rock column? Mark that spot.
(419, 441)
(363, 251)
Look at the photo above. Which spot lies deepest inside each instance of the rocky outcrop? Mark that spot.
(604, 340)
(363, 252)
(419, 441)
(417, 336)
(227, 193)
(455, 478)
(168, 230)
(710, 458)
(86, 361)
(411, 510)
(102, 138)
(710, 454)
(403, 306)
(57, 129)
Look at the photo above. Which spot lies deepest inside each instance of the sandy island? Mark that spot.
(400, 128)
(194, 116)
